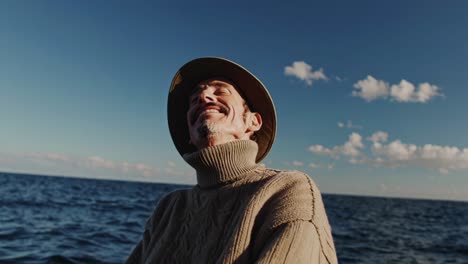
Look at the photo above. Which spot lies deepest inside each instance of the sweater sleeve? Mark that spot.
(138, 252)
(135, 256)
(294, 242)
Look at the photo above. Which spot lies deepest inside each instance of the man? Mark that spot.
(223, 122)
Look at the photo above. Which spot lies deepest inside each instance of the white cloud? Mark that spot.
(426, 92)
(397, 153)
(349, 124)
(396, 150)
(371, 89)
(402, 92)
(304, 72)
(59, 164)
(55, 156)
(383, 187)
(378, 137)
(443, 158)
(314, 166)
(321, 150)
(443, 171)
(297, 163)
(172, 171)
(99, 162)
(350, 148)
(407, 92)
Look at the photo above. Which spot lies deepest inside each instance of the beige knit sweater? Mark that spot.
(239, 212)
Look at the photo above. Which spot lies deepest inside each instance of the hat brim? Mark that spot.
(251, 88)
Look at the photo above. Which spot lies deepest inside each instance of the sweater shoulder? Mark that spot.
(165, 205)
(294, 196)
(293, 180)
(288, 197)
(172, 197)
(291, 196)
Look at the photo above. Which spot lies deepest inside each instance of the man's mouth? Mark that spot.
(207, 109)
(210, 110)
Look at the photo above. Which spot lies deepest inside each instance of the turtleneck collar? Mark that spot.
(223, 163)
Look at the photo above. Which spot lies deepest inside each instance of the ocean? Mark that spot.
(47, 219)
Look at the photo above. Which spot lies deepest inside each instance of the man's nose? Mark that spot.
(207, 96)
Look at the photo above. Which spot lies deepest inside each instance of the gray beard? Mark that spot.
(208, 129)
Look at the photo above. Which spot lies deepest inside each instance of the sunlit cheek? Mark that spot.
(238, 122)
(232, 113)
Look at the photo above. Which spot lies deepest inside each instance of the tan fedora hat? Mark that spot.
(251, 89)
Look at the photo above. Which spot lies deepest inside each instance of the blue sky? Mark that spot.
(371, 97)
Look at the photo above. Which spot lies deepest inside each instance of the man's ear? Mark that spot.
(254, 122)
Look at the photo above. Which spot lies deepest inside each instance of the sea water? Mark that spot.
(47, 219)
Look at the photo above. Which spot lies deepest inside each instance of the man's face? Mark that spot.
(218, 114)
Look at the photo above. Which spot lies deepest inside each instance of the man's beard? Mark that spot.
(208, 129)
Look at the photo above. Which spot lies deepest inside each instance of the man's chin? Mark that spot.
(208, 128)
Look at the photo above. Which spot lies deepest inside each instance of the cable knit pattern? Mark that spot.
(239, 212)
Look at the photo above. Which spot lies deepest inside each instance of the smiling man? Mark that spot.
(222, 121)
(218, 114)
